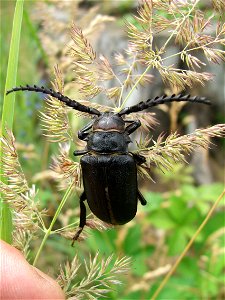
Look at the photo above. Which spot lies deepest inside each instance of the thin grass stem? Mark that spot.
(133, 87)
(48, 232)
(172, 270)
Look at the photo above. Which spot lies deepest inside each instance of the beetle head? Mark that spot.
(109, 121)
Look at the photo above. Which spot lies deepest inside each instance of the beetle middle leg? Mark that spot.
(82, 217)
(80, 152)
(139, 159)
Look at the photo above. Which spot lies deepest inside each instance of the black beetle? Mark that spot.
(109, 169)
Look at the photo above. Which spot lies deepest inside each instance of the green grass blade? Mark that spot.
(8, 110)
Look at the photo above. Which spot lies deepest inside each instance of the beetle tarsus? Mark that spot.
(82, 217)
(76, 236)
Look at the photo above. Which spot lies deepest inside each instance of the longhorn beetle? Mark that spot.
(109, 169)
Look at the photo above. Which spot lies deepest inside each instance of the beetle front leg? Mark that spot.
(82, 217)
(133, 126)
(83, 133)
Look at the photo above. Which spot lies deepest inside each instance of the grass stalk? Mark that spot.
(174, 267)
(8, 111)
(49, 230)
(134, 87)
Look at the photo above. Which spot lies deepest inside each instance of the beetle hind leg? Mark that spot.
(141, 198)
(82, 217)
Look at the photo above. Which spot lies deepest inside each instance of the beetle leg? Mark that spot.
(83, 133)
(80, 152)
(82, 217)
(141, 198)
(133, 126)
(139, 159)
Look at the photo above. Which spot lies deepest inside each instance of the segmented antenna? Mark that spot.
(69, 102)
(161, 100)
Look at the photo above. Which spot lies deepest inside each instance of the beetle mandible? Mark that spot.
(109, 169)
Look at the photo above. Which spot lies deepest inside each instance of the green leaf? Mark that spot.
(104, 240)
(179, 288)
(202, 206)
(189, 193)
(177, 209)
(161, 219)
(154, 201)
(192, 216)
(211, 192)
(177, 242)
(133, 234)
(214, 223)
(189, 231)
(134, 295)
(189, 269)
(139, 265)
(217, 264)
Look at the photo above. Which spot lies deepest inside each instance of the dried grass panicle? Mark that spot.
(22, 240)
(189, 29)
(25, 209)
(12, 169)
(147, 120)
(101, 275)
(180, 79)
(91, 222)
(175, 147)
(219, 5)
(105, 69)
(66, 170)
(55, 29)
(26, 212)
(90, 70)
(55, 123)
(81, 49)
(181, 21)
